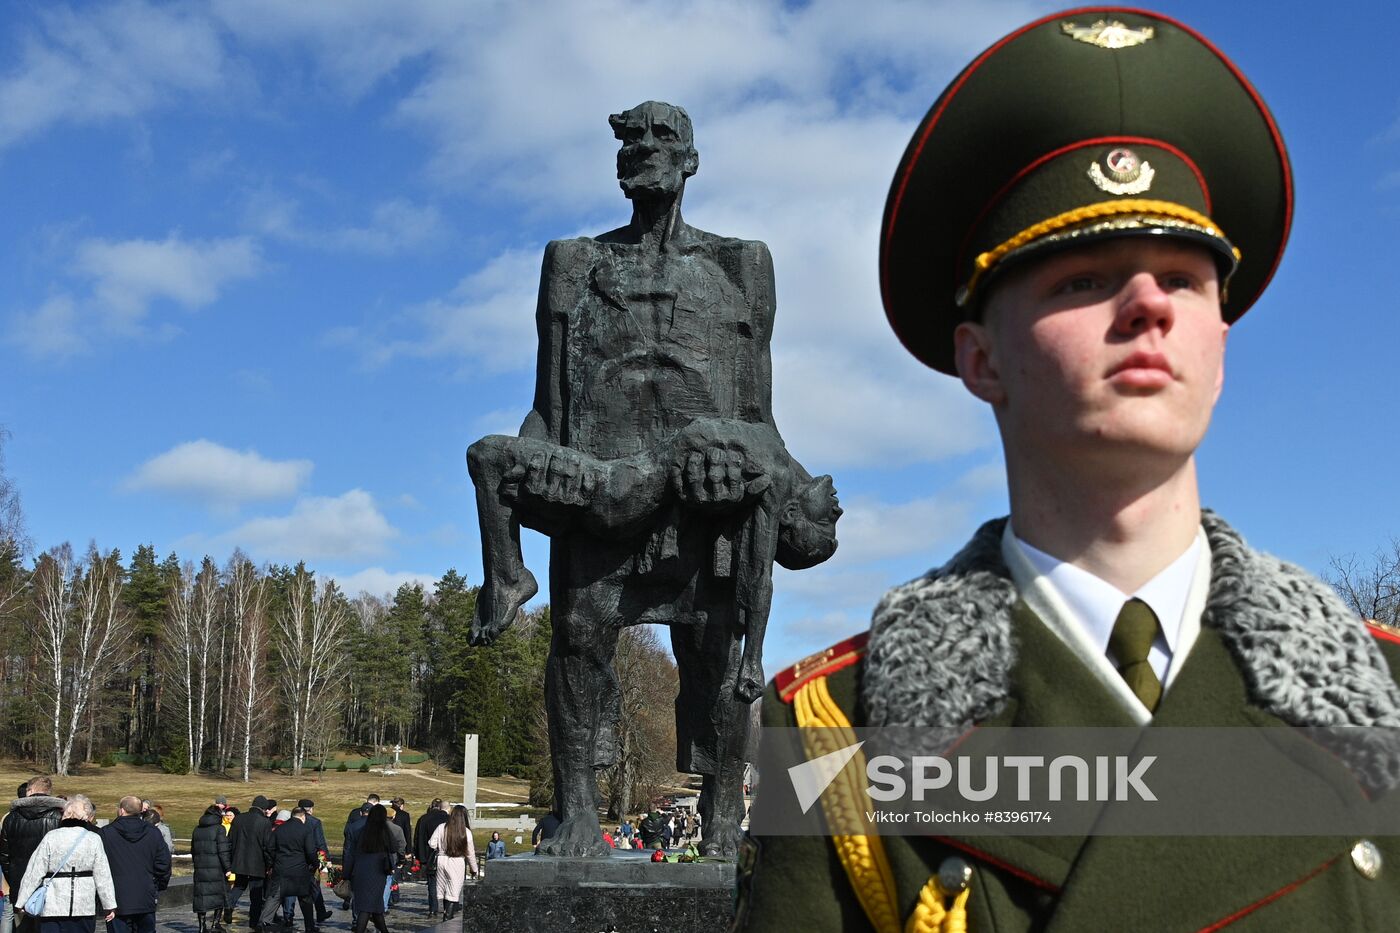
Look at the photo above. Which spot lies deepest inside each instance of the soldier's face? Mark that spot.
(655, 159)
(1103, 355)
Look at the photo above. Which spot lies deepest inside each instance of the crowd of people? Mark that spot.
(675, 829)
(274, 856)
(63, 871)
(277, 860)
(654, 830)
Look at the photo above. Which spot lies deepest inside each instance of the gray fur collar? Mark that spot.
(940, 651)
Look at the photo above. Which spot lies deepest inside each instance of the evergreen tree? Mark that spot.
(368, 697)
(451, 618)
(403, 657)
(145, 594)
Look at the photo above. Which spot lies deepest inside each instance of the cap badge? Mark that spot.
(1108, 34)
(1122, 172)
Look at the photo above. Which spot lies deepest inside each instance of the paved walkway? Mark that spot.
(409, 914)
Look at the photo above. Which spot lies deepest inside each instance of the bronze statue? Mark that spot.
(652, 461)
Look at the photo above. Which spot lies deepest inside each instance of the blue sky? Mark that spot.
(271, 267)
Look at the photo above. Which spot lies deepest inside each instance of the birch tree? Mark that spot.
(52, 589)
(247, 608)
(82, 629)
(314, 661)
(194, 618)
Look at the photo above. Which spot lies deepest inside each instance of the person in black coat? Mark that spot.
(363, 808)
(32, 814)
(249, 838)
(547, 826)
(140, 863)
(350, 834)
(212, 855)
(425, 854)
(401, 817)
(293, 864)
(369, 861)
(318, 836)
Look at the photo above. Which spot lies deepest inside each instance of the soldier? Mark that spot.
(643, 331)
(1074, 228)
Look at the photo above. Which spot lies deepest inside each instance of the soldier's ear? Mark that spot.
(692, 163)
(974, 354)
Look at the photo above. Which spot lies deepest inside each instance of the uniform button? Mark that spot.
(954, 875)
(1367, 859)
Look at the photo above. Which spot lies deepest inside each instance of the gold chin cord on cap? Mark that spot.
(1121, 214)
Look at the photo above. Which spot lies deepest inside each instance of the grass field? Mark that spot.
(185, 797)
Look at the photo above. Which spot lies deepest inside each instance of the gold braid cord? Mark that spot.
(1147, 207)
(845, 803)
(930, 916)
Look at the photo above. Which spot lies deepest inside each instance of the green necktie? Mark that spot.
(1133, 634)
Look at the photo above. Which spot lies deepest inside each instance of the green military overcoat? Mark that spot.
(1276, 648)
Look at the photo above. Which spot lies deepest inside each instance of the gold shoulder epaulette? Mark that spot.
(823, 663)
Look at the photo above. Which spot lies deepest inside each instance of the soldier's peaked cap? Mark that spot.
(1091, 123)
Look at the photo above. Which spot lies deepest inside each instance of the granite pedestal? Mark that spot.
(627, 893)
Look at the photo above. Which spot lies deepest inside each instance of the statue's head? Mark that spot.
(807, 525)
(658, 149)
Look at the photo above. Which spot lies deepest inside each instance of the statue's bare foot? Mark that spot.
(497, 605)
(721, 841)
(577, 837)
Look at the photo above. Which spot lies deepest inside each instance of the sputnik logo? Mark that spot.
(811, 778)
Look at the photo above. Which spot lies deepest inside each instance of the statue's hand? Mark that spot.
(552, 483)
(750, 685)
(718, 478)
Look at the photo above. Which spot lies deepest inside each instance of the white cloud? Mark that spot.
(376, 581)
(513, 97)
(395, 226)
(488, 318)
(502, 420)
(113, 61)
(219, 475)
(356, 43)
(579, 62)
(872, 530)
(873, 409)
(124, 279)
(882, 544)
(128, 275)
(51, 331)
(345, 527)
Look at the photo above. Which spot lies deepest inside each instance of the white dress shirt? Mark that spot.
(1080, 609)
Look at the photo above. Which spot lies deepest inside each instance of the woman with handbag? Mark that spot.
(456, 856)
(368, 865)
(68, 879)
